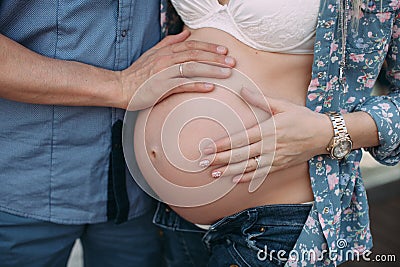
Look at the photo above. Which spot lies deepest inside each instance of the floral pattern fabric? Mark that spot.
(339, 222)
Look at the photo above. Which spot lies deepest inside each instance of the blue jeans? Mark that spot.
(182, 240)
(30, 242)
(252, 237)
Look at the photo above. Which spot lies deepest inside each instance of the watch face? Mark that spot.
(342, 148)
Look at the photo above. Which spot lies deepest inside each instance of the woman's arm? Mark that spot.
(385, 110)
(293, 135)
(362, 129)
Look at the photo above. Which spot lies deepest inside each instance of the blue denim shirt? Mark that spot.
(54, 159)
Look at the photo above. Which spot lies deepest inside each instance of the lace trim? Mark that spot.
(283, 31)
(276, 32)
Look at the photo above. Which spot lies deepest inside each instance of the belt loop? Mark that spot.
(252, 215)
(207, 238)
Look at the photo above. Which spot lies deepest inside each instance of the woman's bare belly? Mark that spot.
(277, 75)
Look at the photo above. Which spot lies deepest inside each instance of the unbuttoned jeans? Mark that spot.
(260, 236)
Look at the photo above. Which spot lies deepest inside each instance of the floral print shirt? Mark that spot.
(339, 222)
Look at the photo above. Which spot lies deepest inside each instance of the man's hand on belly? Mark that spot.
(178, 59)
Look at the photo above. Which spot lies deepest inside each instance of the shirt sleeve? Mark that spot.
(385, 110)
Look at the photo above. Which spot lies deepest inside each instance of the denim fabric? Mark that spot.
(29, 242)
(255, 236)
(54, 160)
(240, 239)
(182, 240)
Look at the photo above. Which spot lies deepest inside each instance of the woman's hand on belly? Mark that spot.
(293, 135)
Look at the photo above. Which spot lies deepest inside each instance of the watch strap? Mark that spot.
(339, 132)
(339, 126)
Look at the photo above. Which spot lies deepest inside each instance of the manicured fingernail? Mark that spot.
(204, 163)
(229, 61)
(221, 49)
(216, 174)
(226, 70)
(208, 150)
(208, 85)
(236, 179)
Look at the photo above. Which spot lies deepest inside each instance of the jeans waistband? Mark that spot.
(281, 214)
(166, 218)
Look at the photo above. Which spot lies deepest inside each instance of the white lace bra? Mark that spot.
(286, 26)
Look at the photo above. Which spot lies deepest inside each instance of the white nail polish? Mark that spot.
(229, 61)
(208, 85)
(221, 49)
(226, 70)
(236, 179)
(216, 174)
(204, 163)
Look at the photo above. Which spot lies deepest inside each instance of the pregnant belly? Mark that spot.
(168, 138)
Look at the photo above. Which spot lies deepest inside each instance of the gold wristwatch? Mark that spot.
(340, 145)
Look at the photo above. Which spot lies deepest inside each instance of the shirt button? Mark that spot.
(124, 33)
(167, 210)
(326, 210)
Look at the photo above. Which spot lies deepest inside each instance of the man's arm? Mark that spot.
(26, 76)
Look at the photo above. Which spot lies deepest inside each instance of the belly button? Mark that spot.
(153, 154)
